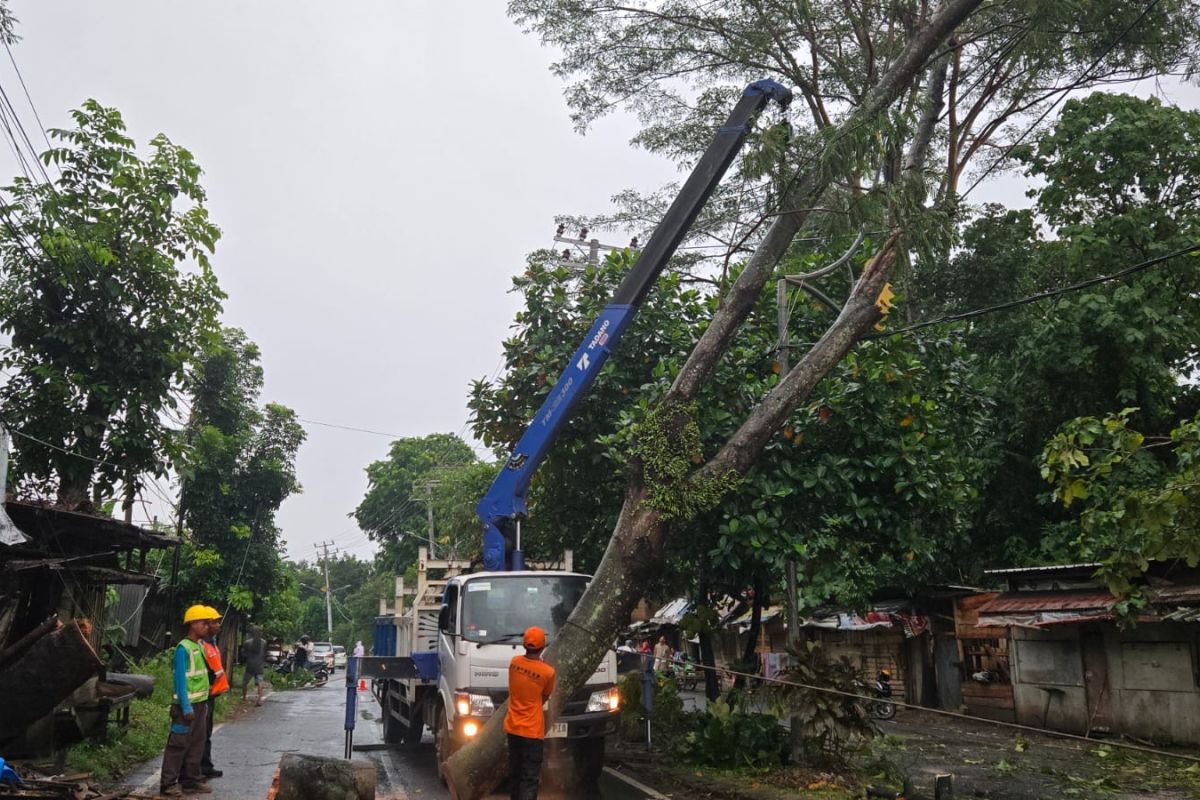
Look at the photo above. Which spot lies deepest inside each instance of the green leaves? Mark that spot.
(103, 313)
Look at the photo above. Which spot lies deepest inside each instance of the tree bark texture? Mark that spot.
(47, 673)
(304, 777)
(634, 553)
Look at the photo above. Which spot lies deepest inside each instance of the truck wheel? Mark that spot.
(393, 731)
(415, 728)
(442, 746)
(589, 760)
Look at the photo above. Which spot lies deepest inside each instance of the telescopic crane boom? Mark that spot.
(503, 507)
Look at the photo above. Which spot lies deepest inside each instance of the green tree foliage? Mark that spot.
(1117, 180)
(1138, 495)
(239, 468)
(394, 510)
(577, 491)
(870, 484)
(104, 319)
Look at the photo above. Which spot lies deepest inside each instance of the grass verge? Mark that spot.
(144, 737)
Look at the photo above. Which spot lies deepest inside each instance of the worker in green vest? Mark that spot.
(189, 710)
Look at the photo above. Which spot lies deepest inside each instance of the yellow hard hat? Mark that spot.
(199, 613)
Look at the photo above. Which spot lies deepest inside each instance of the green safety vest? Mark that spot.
(197, 673)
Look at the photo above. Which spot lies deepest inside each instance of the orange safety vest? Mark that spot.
(212, 657)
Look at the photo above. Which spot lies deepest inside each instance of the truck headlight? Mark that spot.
(604, 700)
(470, 704)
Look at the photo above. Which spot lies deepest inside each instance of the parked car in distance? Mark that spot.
(275, 651)
(323, 651)
(339, 657)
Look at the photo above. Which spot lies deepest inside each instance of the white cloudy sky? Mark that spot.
(379, 169)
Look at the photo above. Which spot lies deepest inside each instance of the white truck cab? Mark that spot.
(475, 623)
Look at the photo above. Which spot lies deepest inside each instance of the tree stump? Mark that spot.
(43, 676)
(319, 778)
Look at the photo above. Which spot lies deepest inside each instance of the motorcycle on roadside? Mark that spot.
(317, 670)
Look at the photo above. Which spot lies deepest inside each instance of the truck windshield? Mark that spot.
(501, 608)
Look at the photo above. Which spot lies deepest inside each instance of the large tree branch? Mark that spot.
(811, 184)
(635, 550)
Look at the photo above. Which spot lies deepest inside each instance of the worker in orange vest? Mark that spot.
(218, 685)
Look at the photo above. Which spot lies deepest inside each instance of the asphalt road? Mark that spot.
(311, 721)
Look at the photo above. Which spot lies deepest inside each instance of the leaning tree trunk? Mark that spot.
(634, 553)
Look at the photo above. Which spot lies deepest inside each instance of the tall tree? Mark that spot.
(104, 318)
(1116, 178)
(888, 70)
(239, 469)
(394, 511)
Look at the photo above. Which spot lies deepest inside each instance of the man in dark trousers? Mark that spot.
(218, 685)
(530, 682)
(189, 710)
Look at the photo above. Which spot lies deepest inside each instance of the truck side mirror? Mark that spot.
(444, 619)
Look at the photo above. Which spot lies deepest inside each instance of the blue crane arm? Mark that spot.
(503, 507)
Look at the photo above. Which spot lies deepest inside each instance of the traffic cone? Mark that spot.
(362, 685)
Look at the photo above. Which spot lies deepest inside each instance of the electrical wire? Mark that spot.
(1034, 298)
(720, 671)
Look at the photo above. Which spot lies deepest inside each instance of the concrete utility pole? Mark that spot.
(593, 246)
(793, 610)
(428, 501)
(324, 548)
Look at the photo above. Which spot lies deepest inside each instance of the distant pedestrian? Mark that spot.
(530, 683)
(189, 710)
(218, 685)
(662, 654)
(254, 658)
(359, 650)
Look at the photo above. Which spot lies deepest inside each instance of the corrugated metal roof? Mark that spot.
(1051, 568)
(1018, 602)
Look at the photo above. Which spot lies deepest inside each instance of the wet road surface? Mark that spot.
(310, 721)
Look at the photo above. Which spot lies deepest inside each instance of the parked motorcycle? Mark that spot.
(881, 706)
(317, 669)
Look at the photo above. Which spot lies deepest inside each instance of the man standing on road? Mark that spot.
(359, 650)
(218, 685)
(662, 654)
(530, 682)
(254, 657)
(189, 710)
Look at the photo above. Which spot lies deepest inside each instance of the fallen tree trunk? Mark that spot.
(304, 777)
(634, 555)
(46, 674)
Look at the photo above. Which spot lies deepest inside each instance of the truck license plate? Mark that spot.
(557, 731)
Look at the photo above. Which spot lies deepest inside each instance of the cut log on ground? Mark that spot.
(46, 674)
(304, 777)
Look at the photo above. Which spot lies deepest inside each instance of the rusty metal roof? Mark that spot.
(1013, 602)
(1044, 570)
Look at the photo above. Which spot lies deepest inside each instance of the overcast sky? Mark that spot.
(379, 169)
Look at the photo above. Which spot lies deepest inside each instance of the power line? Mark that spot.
(349, 428)
(1034, 298)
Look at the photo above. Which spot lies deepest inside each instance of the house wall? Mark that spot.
(983, 648)
(1151, 689)
(870, 651)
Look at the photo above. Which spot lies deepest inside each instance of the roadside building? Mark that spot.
(1072, 663)
(62, 564)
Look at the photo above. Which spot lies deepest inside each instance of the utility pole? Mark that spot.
(324, 548)
(793, 610)
(428, 501)
(593, 247)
